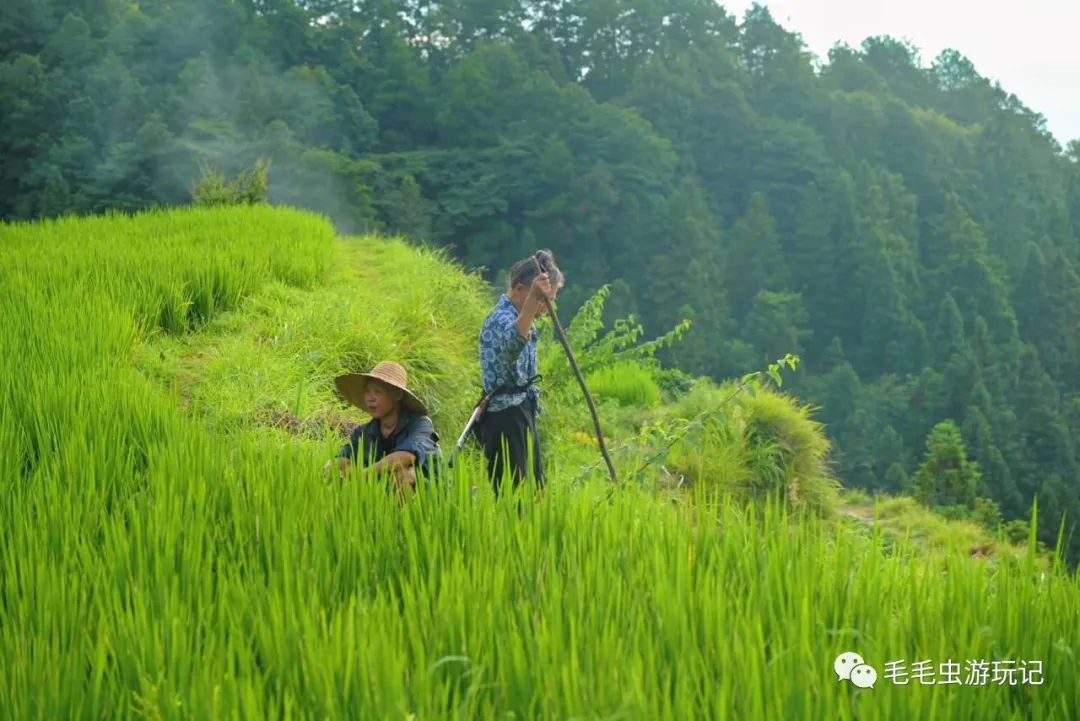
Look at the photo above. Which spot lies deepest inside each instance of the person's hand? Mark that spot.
(404, 482)
(541, 288)
(405, 477)
(342, 465)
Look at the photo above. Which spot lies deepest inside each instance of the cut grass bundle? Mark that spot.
(755, 446)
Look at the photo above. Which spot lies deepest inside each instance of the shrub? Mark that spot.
(673, 381)
(621, 344)
(986, 512)
(1017, 531)
(248, 188)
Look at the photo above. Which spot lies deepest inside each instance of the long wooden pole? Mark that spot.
(581, 380)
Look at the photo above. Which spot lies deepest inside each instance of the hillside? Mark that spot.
(170, 549)
(905, 225)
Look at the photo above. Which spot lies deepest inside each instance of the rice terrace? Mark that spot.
(169, 552)
(529, 360)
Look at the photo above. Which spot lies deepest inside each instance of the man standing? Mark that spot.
(508, 362)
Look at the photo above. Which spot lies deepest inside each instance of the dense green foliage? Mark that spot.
(946, 476)
(213, 188)
(166, 553)
(910, 230)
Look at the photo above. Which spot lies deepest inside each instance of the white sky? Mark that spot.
(1032, 48)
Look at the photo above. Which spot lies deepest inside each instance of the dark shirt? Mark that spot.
(414, 433)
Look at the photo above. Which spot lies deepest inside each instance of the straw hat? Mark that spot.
(393, 374)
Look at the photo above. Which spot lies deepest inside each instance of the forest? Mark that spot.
(906, 226)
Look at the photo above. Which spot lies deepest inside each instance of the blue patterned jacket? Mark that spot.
(506, 358)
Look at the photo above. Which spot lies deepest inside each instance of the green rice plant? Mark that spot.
(279, 351)
(157, 562)
(627, 382)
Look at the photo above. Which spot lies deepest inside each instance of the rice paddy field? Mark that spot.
(170, 549)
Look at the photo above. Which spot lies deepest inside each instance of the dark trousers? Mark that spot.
(508, 437)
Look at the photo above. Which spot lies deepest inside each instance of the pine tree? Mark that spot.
(946, 476)
(1047, 301)
(755, 262)
(948, 337)
(812, 268)
(1046, 440)
(896, 479)
(776, 324)
(996, 477)
(834, 355)
(55, 195)
(888, 450)
(685, 278)
(961, 266)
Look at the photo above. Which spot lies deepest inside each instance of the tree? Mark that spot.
(888, 453)
(686, 278)
(897, 63)
(698, 100)
(847, 70)
(960, 265)
(23, 114)
(25, 26)
(946, 476)
(948, 339)
(1047, 302)
(776, 324)
(896, 479)
(1046, 440)
(755, 262)
(813, 271)
(964, 94)
(394, 84)
(144, 171)
(404, 210)
(997, 479)
(55, 198)
(779, 63)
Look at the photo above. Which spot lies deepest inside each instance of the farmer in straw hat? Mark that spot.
(399, 437)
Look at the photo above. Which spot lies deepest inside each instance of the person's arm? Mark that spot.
(510, 337)
(392, 461)
(534, 304)
(351, 449)
(414, 448)
(348, 453)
